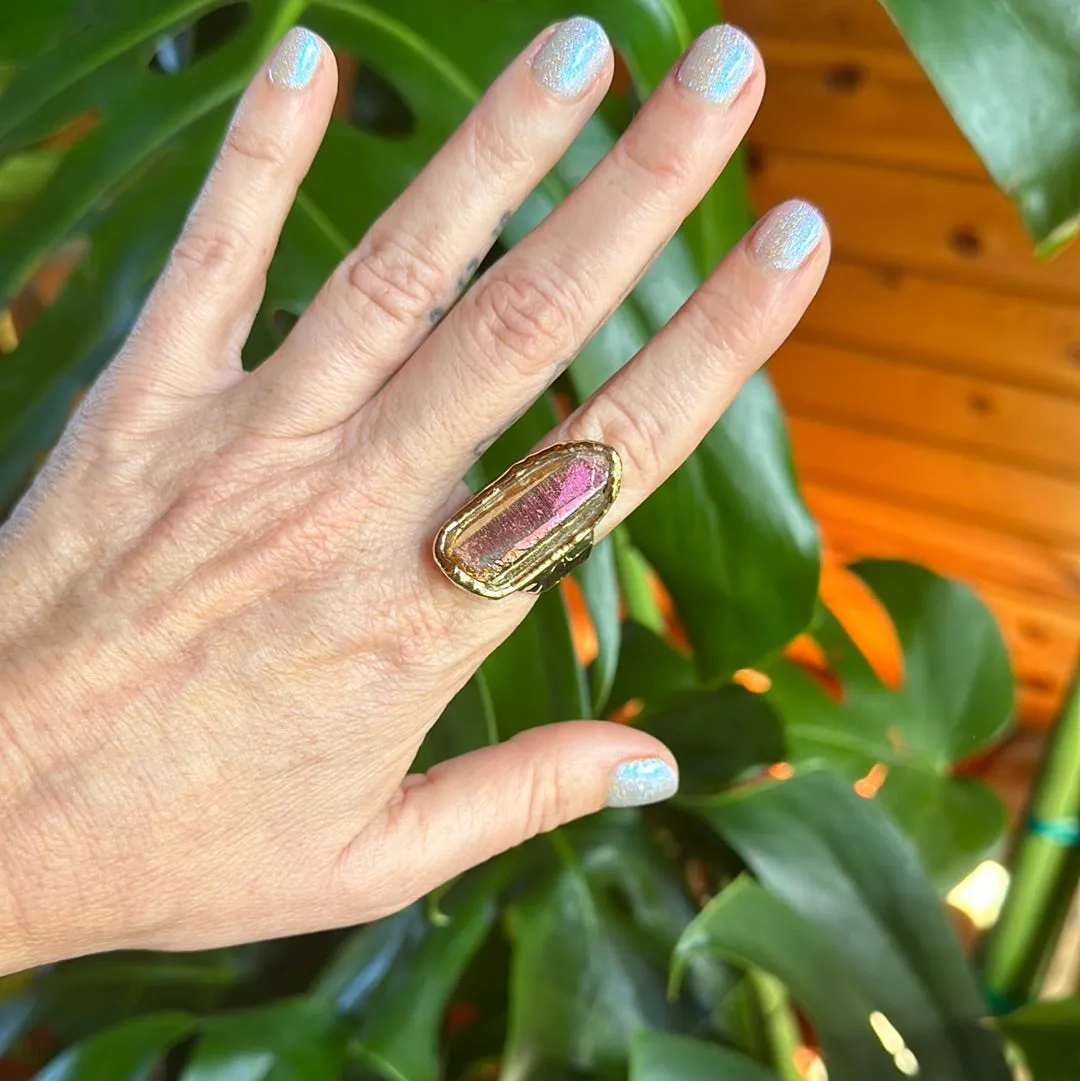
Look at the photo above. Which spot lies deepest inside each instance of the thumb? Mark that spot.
(468, 809)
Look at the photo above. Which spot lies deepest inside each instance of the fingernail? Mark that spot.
(295, 60)
(648, 780)
(718, 65)
(572, 57)
(787, 235)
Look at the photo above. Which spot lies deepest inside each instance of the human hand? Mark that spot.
(223, 636)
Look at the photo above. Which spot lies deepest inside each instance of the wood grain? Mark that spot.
(862, 104)
(1018, 341)
(852, 22)
(1037, 430)
(869, 525)
(995, 495)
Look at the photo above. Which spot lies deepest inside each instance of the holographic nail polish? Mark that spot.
(718, 65)
(647, 780)
(787, 236)
(295, 60)
(572, 57)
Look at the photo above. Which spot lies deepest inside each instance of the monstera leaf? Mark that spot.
(159, 78)
(843, 914)
(1009, 70)
(955, 699)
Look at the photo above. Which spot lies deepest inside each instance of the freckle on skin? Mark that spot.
(436, 314)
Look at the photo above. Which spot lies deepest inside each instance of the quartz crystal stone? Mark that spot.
(539, 515)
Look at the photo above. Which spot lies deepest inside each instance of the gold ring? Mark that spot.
(529, 529)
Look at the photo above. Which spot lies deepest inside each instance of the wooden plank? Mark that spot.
(1015, 500)
(861, 104)
(864, 525)
(1038, 707)
(855, 22)
(1044, 639)
(1016, 340)
(943, 226)
(1029, 427)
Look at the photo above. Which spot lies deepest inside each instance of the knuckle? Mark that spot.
(634, 431)
(730, 329)
(262, 149)
(654, 163)
(527, 320)
(498, 151)
(393, 278)
(547, 807)
(210, 249)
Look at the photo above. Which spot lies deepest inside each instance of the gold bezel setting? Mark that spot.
(565, 544)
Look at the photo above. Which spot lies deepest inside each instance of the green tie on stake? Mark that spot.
(1046, 872)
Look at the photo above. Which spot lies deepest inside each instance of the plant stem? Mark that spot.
(633, 573)
(1046, 872)
(781, 1028)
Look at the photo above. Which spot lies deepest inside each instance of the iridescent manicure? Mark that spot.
(295, 60)
(572, 57)
(787, 236)
(648, 780)
(718, 65)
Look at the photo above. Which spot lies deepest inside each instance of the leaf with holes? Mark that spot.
(955, 700)
(1009, 71)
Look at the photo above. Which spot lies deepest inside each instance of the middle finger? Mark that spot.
(530, 314)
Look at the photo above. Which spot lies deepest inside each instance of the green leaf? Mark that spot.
(296, 1039)
(128, 1052)
(583, 976)
(1048, 1033)
(651, 671)
(732, 540)
(23, 175)
(534, 676)
(600, 586)
(1009, 71)
(748, 926)
(716, 736)
(83, 996)
(956, 699)
(838, 861)
(467, 724)
(16, 1017)
(397, 1033)
(659, 1056)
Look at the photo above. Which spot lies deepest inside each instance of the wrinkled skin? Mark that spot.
(222, 634)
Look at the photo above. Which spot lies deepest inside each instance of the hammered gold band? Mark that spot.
(527, 530)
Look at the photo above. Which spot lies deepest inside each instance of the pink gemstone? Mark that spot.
(502, 539)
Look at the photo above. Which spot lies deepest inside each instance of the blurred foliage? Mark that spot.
(586, 953)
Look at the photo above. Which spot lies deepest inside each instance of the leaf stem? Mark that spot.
(1046, 871)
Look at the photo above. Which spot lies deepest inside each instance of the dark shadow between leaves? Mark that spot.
(180, 49)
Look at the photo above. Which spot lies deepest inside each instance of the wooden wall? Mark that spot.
(934, 387)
